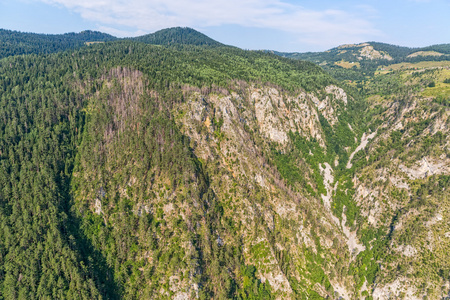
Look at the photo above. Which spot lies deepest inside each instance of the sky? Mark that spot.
(281, 25)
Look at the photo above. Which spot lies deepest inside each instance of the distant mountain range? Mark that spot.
(357, 61)
(372, 51)
(18, 43)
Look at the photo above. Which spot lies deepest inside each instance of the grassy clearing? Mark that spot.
(425, 53)
(92, 43)
(441, 89)
(412, 66)
(347, 64)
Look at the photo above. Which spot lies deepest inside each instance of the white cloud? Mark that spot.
(310, 26)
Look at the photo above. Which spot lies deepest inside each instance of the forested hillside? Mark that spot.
(178, 36)
(189, 169)
(360, 61)
(18, 43)
(81, 218)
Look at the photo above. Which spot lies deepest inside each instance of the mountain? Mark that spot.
(18, 43)
(364, 59)
(178, 36)
(402, 177)
(131, 170)
(372, 51)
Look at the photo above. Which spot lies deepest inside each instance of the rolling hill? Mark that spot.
(19, 43)
(178, 36)
(362, 60)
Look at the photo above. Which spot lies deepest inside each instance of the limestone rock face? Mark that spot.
(370, 53)
(232, 130)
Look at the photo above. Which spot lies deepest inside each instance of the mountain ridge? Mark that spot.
(19, 43)
(178, 36)
(190, 36)
(396, 52)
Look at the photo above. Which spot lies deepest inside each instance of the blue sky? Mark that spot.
(283, 25)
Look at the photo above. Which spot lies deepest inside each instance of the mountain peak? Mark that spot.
(177, 36)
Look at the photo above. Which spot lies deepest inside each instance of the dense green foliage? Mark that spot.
(18, 43)
(60, 123)
(103, 197)
(41, 253)
(208, 67)
(177, 36)
(442, 48)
